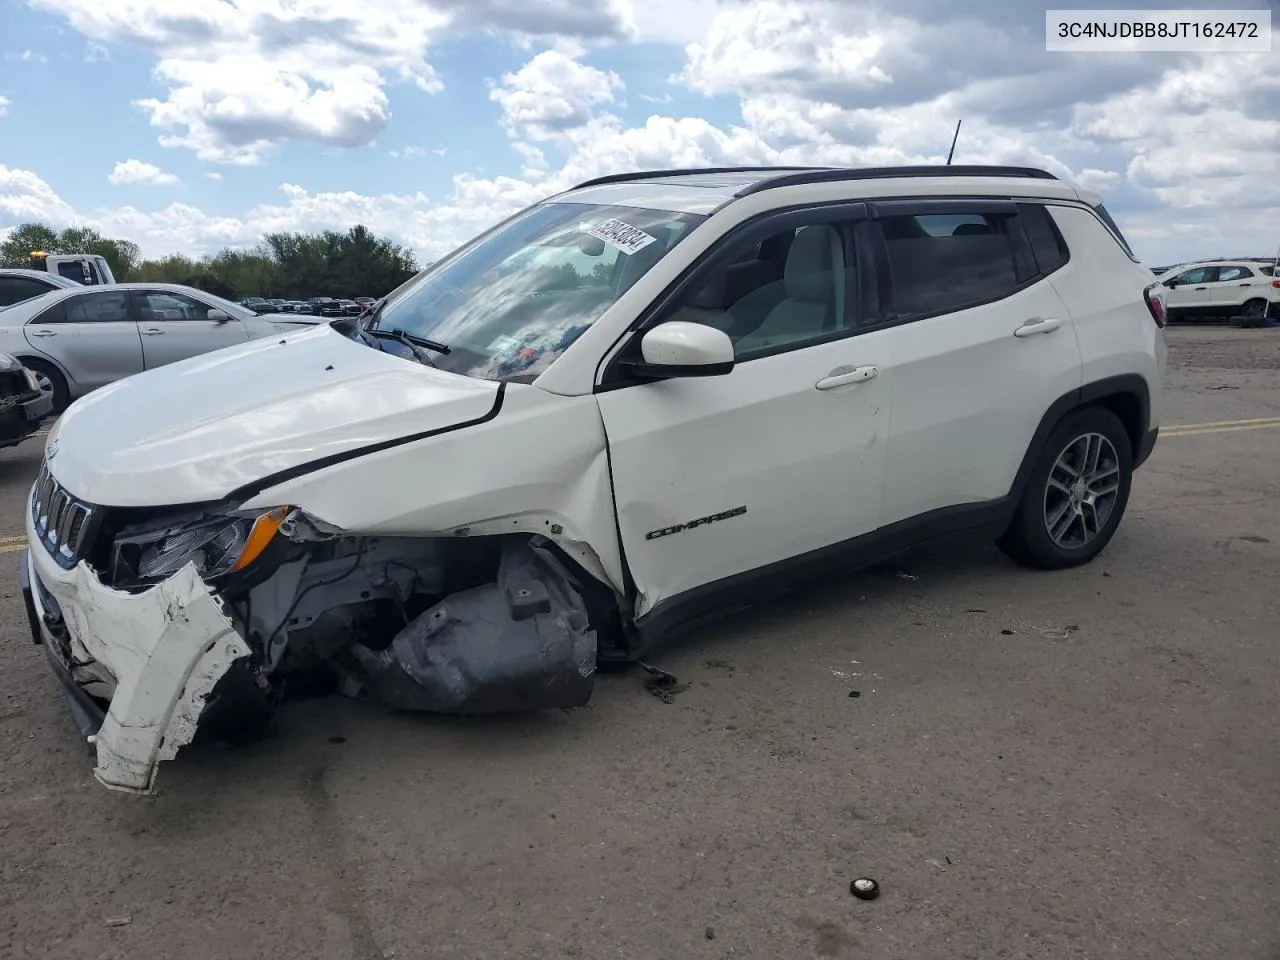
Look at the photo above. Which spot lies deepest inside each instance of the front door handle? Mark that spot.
(152, 332)
(1032, 327)
(44, 333)
(843, 375)
(1202, 288)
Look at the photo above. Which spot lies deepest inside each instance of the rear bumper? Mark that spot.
(154, 657)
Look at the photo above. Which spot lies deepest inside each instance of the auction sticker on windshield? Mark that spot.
(625, 237)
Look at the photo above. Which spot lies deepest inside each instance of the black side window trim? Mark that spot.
(724, 252)
(1021, 253)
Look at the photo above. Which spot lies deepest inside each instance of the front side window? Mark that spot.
(796, 288)
(162, 305)
(1198, 275)
(98, 308)
(942, 263)
(508, 306)
(72, 270)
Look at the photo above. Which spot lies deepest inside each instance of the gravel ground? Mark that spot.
(1077, 764)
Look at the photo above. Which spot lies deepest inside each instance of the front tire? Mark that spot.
(1076, 494)
(50, 374)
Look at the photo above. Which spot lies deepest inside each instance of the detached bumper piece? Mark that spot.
(165, 649)
(21, 413)
(522, 643)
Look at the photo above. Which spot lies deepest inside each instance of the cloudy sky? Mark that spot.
(187, 125)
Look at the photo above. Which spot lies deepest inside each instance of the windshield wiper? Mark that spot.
(408, 339)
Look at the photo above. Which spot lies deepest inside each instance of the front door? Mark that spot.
(1189, 296)
(92, 335)
(722, 478)
(175, 326)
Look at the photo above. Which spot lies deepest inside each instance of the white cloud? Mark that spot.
(4, 105)
(214, 175)
(95, 52)
(244, 77)
(27, 56)
(25, 197)
(553, 95)
(139, 173)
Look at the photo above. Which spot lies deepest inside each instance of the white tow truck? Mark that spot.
(87, 268)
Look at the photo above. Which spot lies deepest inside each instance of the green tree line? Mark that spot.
(292, 266)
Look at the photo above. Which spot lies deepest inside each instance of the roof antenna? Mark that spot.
(952, 152)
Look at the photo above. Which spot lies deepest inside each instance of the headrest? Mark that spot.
(714, 292)
(808, 273)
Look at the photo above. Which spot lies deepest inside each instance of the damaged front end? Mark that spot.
(210, 616)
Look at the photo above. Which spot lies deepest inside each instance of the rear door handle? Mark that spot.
(1032, 327)
(1202, 288)
(843, 375)
(44, 333)
(152, 332)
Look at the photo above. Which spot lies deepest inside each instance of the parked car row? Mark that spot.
(316, 306)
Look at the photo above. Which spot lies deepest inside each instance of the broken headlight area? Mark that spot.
(218, 544)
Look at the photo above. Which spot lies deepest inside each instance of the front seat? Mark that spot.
(814, 293)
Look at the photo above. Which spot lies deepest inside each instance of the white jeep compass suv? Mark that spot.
(629, 408)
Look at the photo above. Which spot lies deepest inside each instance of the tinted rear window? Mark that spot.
(945, 263)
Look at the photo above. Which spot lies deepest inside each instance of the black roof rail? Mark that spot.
(835, 174)
(686, 172)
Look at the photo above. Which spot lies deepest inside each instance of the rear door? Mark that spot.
(983, 346)
(175, 326)
(1234, 285)
(92, 335)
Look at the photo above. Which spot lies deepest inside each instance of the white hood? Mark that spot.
(198, 429)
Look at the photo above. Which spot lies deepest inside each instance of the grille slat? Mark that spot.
(61, 520)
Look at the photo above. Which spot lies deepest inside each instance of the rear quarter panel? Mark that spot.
(1103, 290)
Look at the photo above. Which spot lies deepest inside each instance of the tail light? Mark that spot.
(1276, 284)
(1154, 295)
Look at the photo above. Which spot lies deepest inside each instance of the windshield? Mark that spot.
(509, 305)
(104, 270)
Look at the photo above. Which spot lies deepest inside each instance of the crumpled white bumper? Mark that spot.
(166, 649)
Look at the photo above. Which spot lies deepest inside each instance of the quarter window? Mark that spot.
(1047, 244)
(796, 287)
(941, 263)
(1233, 273)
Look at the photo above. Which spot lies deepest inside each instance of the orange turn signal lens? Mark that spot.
(264, 530)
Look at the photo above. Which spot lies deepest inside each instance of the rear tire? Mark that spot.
(47, 371)
(1255, 309)
(1076, 494)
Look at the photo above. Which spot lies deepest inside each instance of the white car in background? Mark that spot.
(1211, 289)
(81, 338)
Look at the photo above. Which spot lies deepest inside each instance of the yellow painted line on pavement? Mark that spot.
(1220, 426)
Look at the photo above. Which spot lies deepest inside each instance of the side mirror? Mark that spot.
(678, 348)
(218, 317)
(1171, 282)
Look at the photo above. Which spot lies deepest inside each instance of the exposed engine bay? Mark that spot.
(455, 625)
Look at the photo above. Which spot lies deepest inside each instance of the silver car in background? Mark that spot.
(78, 339)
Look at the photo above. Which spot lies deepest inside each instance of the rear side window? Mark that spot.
(1101, 211)
(941, 263)
(1047, 244)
